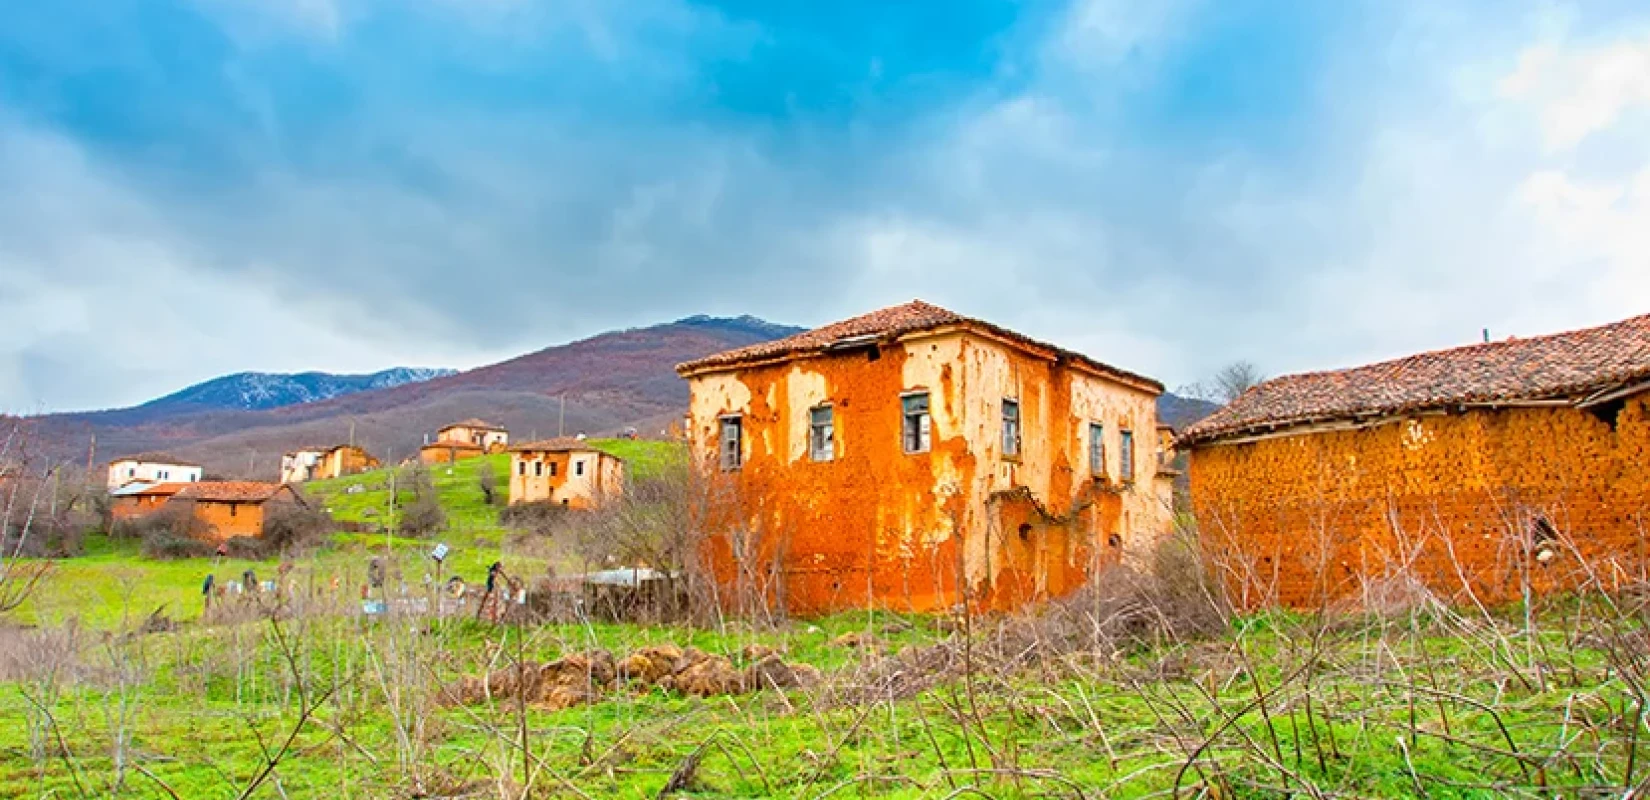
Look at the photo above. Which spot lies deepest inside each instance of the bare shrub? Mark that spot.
(171, 533)
(542, 517)
(487, 482)
(294, 529)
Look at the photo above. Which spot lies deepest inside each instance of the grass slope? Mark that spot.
(113, 583)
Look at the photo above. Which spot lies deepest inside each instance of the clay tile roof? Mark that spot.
(1566, 367)
(885, 324)
(562, 444)
(473, 423)
(156, 458)
(230, 491)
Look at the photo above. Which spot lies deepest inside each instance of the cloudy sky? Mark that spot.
(195, 187)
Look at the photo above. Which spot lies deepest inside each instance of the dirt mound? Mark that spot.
(582, 678)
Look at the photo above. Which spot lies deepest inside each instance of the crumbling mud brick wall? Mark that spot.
(447, 452)
(555, 476)
(1483, 502)
(346, 460)
(876, 526)
(221, 521)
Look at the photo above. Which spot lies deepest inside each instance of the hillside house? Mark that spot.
(151, 468)
(136, 500)
(226, 509)
(914, 458)
(466, 439)
(318, 463)
(1485, 468)
(567, 471)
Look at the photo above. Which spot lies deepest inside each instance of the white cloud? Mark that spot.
(1579, 91)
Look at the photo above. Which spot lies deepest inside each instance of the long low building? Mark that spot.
(1481, 470)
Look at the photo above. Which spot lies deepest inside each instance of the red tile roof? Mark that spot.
(230, 491)
(156, 458)
(472, 423)
(563, 444)
(886, 325)
(1567, 366)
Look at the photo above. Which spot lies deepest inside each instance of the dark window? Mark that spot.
(1127, 454)
(918, 424)
(538, 468)
(1097, 450)
(521, 468)
(553, 468)
(232, 509)
(732, 443)
(578, 468)
(1011, 428)
(821, 433)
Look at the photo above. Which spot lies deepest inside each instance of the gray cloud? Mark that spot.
(1439, 202)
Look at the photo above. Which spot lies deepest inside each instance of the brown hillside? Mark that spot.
(610, 381)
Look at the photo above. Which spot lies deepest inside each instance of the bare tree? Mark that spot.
(1226, 385)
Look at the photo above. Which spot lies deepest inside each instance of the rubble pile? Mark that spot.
(582, 678)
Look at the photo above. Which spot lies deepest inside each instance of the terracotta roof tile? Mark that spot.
(472, 423)
(156, 458)
(1562, 366)
(230, 491)
(562, 444)
(886, 325)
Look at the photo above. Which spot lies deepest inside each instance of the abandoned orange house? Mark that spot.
(136, 500)
(1482, 470)
(226, 509)
(567, 471)
(913, 458)
(321, 463)
(467, 439)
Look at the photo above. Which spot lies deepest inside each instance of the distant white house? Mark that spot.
(151, 468)
(299, 465)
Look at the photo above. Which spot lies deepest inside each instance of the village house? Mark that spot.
(1485, 469)
(567, 471)
(321, 463)
(917, 459)
(135, 500)
(151, 468)
(226, 509)
(466, 439)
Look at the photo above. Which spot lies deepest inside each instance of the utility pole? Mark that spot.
(352, 433)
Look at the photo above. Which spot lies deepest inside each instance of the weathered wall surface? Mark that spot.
(1458, 501)
(602, 479)
(344, 461)
(128, 471)
(446, 452)
(489, 440)
(134, 506)
(876, 526)
(223, 521)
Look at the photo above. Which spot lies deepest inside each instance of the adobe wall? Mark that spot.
(443, 453)
(134, 506)
(1454, 500)
(876, 526)
(223, 521)
(602, 480)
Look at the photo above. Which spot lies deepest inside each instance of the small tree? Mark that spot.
(424, 515)
(1226, 385)
(487, 480)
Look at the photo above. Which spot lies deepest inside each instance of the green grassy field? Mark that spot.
(112, 582)
(1074, 700)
